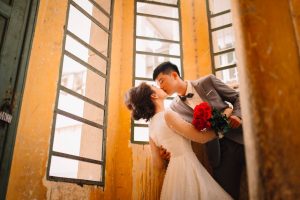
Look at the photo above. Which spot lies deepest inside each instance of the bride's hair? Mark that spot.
(138, 100)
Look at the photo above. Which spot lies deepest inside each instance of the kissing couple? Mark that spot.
(185, 177)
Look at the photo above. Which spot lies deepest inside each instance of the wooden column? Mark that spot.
(268, 60)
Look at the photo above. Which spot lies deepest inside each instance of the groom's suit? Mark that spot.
(226, 155)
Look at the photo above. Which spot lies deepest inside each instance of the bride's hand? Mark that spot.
(164, 154)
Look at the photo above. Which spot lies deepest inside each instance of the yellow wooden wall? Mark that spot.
(129, 174)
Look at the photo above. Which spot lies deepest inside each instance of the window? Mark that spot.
(157, 39)
(77, 152)
(222, 41)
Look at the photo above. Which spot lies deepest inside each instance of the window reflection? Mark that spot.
(159, 10)
(157, 41)
(160, 47)
(165, 1)
(83, 139)
(223, 40)
(157, 28)
(141, 134)
(93, 11)
(76, 169)
(145, 64)
(79, 120)
(105, 4)
(88, 32)
(221, 20)
(229, 76)
(84, 54)
(216, 6)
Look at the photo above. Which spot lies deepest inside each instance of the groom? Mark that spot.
(226, 154)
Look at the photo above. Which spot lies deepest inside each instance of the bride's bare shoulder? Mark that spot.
(170, 115)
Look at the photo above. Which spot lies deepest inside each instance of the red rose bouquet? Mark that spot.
(206, 117)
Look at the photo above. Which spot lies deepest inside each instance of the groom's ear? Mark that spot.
(174, 74)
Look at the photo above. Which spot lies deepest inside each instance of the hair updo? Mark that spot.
(138, 100)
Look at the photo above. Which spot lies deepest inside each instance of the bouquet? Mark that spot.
(206, 117)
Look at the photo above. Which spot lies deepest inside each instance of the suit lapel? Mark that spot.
(184, 110)
(183, 105)
(201, 92)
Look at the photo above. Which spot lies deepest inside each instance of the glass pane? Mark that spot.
(83, 81)
(223, 39)
(159, 10)
(91, 142)
(75, 169)
(138, 82)
(174, 2)
(216, 6)
(221, 20)
(58, 167)
(76, 106)
(145, 64)
(141, 121)
(2, 30)
(93, 11)
(73, 75)
(141, 134)
(157, 28)
(90, 171)
(158, 47)
(225, 59)
(105, 4)
(87, 30)
(229, 76)
(77, 138)
(85, 54)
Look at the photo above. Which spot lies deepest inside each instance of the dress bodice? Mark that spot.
(163, 135)
(185, 177)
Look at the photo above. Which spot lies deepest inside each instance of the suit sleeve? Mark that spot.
(227, 94)
(172, 106)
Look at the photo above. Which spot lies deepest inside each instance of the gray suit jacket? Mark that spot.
(215, 92)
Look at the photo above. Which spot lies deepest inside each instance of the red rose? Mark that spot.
(206, 117)
(202, 114)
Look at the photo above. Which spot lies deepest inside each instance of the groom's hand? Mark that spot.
(164, 154)
(234, 121)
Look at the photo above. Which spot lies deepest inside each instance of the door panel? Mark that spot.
(3, 22)
(9, 2)
(17, 20)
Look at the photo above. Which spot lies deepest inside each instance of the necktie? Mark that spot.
(183, 98)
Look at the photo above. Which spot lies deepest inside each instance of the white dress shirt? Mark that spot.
(195, 100)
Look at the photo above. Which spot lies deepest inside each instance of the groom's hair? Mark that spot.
(165, 68)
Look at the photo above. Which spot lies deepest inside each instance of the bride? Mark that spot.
(185, 177)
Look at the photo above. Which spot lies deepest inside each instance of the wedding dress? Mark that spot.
(185, 178)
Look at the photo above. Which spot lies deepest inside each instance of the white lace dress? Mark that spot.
(186, 178)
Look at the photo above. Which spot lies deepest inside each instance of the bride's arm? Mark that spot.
(158, 162)
(187, 130)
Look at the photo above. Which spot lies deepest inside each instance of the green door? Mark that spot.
(17, 19)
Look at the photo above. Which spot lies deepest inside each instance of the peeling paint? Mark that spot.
(147, 181)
